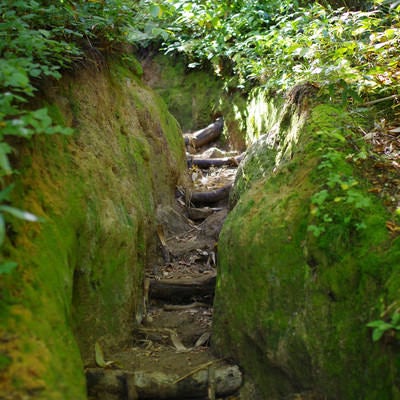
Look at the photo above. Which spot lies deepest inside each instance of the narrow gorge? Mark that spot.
(245, 266)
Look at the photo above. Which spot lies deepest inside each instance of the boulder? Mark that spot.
(305, 263)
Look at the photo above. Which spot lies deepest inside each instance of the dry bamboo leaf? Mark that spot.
(161, 236)
(392, 226)
(99, 358)
(204, 338)
(177, 342)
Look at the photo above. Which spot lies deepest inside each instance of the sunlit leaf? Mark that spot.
(377, 334)
(155, 10)
(5, 149)
(396, 318)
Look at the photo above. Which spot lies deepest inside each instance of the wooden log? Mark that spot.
(206, 135)
(105, 384)
(180, 307)
(213, 196)
(205, 163)
(178, 290)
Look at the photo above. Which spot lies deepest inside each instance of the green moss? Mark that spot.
(299, 323)
(132, 64)
(80, 273)
(273, 130)
(56, 114)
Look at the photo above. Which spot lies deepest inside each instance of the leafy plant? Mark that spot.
(38, 40)
(348, 53)
(380, 327)
(340, 204)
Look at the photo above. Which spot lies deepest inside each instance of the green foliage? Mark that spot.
(279, 44)
(341, 204)
(342, 211)
(38, 40)
(380, 327)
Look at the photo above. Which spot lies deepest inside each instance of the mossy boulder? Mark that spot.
(80, 271)
(305, 262)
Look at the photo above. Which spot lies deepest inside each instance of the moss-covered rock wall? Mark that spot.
(79, 274)
(305, 262)
(197, 97)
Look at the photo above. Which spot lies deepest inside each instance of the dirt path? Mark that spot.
(170, 357)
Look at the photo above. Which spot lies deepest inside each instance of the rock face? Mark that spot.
(80, 271)
(305, 262)
(196, 97)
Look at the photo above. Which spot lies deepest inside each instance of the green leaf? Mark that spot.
(320, 197)
(25, 215)
(396, 319)
(377, 334)
(379, 324)
(7, 267)
(155, 11)
(5, 193)
(316, 230)
(99, 356)
(4, 162)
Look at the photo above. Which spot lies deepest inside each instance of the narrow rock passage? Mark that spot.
(170, 357)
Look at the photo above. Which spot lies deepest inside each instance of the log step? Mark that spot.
(181, 291)
(107, 384)
(205, 163)
(210, 197)
(206, 135)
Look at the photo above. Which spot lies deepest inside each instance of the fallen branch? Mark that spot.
(206, 135)
(199, 368)
(372, 102)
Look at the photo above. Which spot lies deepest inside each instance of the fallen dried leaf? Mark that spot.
(204, 338)
(392, 226)
(99, 358)
(177, 342)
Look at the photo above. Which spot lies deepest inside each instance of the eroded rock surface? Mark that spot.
(303, 267)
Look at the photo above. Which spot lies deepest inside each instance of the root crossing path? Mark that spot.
(170, 357)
